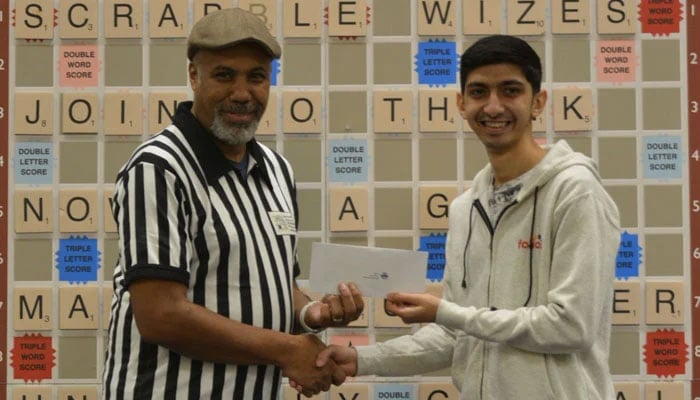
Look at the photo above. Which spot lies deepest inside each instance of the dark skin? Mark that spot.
(235, 75)
(239, 74)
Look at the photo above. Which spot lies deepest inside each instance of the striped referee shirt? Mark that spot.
(185, 214)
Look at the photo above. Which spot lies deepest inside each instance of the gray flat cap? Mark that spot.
(228, 27)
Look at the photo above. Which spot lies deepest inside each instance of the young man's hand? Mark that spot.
(303, 371)
(413, 307)
(342, 357)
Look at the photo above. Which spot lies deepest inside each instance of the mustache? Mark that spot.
(240, 108)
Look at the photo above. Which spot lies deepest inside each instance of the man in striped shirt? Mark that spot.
(205, 299)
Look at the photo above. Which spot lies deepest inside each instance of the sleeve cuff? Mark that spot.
(366, 364)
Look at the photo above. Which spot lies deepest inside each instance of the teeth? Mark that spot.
(494, 124)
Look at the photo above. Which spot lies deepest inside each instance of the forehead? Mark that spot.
(496, 73)
(244, 55)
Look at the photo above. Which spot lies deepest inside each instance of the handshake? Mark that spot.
(314, 367)
(311, 366)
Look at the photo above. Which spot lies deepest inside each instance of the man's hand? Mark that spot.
(301, 367)
(413, 307)
(343, 357)
(338, 309)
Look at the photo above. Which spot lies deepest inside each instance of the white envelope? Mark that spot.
(376, 271)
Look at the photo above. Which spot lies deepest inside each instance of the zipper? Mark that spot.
(492, 231)
(483, 372)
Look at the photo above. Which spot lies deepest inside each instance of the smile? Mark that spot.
(239, 117)
(495, 124)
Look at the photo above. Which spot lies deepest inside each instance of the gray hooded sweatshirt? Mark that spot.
(527, 300)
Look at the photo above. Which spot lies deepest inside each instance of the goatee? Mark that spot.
(234, 134)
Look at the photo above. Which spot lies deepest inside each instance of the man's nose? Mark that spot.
(240, 91)
(493, 106)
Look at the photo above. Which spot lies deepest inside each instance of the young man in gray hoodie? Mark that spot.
(531, 247)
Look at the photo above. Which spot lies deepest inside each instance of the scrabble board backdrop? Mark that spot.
(363, 105)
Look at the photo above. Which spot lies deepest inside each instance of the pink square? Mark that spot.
(79, 66)
(616, 61)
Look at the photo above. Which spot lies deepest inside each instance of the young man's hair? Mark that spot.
(499, 49)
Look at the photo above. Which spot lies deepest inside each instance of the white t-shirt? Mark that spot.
(502, 195)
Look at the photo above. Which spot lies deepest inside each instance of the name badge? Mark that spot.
(283, 223)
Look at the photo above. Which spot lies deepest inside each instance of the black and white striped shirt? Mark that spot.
(185, 214)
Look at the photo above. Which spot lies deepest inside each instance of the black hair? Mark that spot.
(499, 49)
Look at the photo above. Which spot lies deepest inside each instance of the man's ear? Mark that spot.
(539, 101)
(192, 73)
(460, 105)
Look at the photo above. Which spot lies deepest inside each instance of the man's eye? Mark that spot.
(258, 78)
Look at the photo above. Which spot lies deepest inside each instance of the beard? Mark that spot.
(231, 133)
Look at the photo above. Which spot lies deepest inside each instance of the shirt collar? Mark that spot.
(210, 157)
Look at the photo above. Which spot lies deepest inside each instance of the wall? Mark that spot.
(364, 107)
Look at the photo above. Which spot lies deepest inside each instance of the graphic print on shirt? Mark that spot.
(535, 242)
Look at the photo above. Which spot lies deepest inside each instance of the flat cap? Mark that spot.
(228, 27)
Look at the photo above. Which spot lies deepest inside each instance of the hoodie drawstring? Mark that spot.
(466, 246)
(532, 234)
(531, 246)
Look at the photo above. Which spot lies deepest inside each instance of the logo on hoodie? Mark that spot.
(535, 243)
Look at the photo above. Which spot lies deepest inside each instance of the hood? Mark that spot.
(559, 157)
